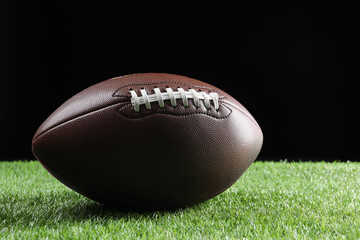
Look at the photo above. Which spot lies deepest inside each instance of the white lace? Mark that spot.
(171, 95)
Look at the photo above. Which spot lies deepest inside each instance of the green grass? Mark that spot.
(271, 201)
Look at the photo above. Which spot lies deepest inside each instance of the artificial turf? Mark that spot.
(271, 200)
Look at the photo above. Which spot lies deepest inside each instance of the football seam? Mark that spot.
(174, 114)
(74, 118)
(224, 104)
(244, 112)
(99, 109)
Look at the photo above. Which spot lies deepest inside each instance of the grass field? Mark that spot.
(270, 201)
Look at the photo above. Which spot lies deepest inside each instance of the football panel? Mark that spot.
(161, 159)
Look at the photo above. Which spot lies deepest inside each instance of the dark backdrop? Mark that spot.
(295, 66)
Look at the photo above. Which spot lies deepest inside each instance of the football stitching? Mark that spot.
(116, 94)
(159, 97)
(147, 84)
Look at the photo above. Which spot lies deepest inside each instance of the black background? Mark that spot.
(294, 65)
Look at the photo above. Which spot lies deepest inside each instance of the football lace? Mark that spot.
(160, 97)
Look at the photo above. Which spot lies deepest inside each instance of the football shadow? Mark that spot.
(91, 209)
(42, 210)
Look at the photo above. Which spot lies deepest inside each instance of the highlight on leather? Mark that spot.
(160, 97)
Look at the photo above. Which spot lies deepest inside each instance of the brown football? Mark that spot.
(149, 140)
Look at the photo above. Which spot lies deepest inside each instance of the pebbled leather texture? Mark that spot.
(96, 144)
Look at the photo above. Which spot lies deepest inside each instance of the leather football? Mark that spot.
(149, 140)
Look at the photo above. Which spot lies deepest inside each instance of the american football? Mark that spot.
(149, 140)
